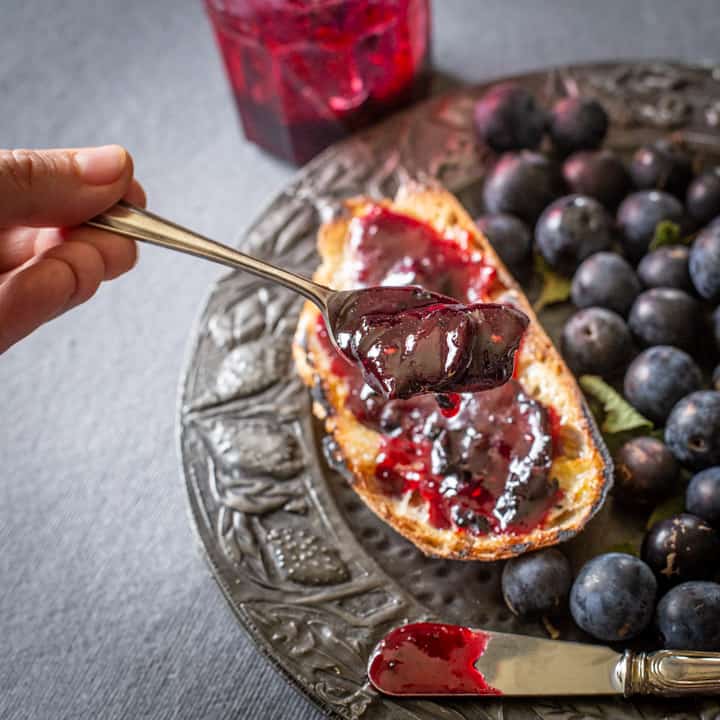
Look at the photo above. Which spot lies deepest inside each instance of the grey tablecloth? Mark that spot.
(106, 607)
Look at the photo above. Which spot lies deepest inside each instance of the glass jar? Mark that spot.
(305, 73)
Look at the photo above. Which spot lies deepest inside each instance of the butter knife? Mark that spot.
(436, 659)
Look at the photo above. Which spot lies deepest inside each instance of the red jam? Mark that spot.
(481, 461)
(306, 74)
(484, 469)
(555, 425)
(448, 403)
(430, 659)
(393, 249)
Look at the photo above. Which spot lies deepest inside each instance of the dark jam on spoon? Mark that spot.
(481, 461)
(409, 341)
(430, 659)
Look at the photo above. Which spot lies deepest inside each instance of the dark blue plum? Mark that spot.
(705, 263)
(578, 123)
(687, 617)
(693, 430)
(702, 497)
(507, 117)
(681, 548)
(658, 378)
(665, 316)
(613, 597)
(639, 215)
(703, 197)
(570, 230)
(522, 184)
(662, 165)
(645, 472)
(510, 237)
(667, 267)
(596, 341)
(537, 583)
(605, 280)
(600, 174)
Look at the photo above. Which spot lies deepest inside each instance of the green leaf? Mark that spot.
(555, 287)
(624, 547)
(666, 233)
(619, 415)
(670, 507)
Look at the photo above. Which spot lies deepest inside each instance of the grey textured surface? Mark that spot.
(106, 608)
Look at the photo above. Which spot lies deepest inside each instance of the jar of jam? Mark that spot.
(305, 73)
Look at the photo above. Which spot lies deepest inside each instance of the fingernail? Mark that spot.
(101, 165)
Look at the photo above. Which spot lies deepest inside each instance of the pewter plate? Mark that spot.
(312, 574)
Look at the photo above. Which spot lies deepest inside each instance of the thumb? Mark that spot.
(61, 187)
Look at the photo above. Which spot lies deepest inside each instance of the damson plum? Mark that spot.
(702, 497)
(570, 230)
(510, 237)
(507, 117)
(596, 341)
(658, 378)
(537, 583)
(692, 431)
(664, 165)
(600, 174)
(687, 617)
(705, 263)
(645, 472)
(578, 123)
(703, 197)
(522, 184)
(667, 267)
(665, 316)
(605, 280)
(639, 215)
(682, 547)
(613, 597)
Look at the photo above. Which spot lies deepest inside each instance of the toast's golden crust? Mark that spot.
(582, 467)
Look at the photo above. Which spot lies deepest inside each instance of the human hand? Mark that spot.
(47, 264)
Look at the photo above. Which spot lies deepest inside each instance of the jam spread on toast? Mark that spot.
(485, 469)
(479, 460)
(388, 248)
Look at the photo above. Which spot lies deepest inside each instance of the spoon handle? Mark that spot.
(127, 219)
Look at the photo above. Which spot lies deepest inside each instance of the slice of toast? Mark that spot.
(581, 464)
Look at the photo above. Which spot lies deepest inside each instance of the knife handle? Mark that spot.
(671, 673)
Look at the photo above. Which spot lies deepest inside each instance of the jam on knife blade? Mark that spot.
(430, 659)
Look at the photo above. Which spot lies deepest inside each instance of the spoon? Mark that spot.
(405, 340)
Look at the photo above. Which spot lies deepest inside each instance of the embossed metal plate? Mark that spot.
(312, 574)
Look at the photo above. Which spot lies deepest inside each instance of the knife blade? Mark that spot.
(437, 659)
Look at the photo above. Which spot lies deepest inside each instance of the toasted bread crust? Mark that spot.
(582, 467)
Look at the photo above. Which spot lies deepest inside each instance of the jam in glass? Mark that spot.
(305, 73)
